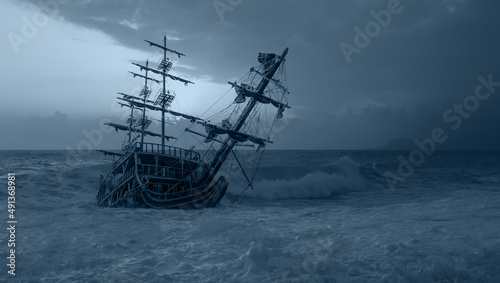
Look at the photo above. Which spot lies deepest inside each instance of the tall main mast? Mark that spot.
(165, 97)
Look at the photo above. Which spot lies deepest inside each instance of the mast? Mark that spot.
(268, 75)
(163, 96)
(131, 123)
(229, 143)
(143, 122)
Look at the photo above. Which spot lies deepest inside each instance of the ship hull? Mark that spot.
(160, 178)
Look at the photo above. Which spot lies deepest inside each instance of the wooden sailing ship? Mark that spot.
(159, 175)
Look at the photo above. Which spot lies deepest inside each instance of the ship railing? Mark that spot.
(169, 172)
(157, 148)
(168, 150)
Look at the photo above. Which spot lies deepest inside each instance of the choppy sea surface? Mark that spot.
(314, 216)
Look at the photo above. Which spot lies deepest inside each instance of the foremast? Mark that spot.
(136, 125)
(271, 67)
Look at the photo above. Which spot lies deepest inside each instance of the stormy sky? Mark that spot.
(360, 73)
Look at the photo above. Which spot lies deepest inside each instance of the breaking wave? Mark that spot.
(304, 182)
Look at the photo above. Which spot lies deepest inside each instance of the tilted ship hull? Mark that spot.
(161, 176)
(168, 178)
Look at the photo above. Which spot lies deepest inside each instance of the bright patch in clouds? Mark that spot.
(63, 68)
(129, 24)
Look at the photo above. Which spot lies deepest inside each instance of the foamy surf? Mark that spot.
(301, 182)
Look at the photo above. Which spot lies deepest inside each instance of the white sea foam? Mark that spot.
(301, 182)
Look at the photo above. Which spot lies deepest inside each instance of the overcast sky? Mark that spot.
(59, 74)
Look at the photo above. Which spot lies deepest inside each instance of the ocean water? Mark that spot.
(314, 216)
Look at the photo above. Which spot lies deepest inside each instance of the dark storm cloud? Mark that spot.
(427, 58)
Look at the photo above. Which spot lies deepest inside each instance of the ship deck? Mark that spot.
(161, 155)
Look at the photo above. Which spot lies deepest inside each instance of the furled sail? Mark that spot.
(131, 97)
(135, 130)
(144, 77)
(141, 104)
(214, 130)
(185, 116)
(244, 90)
(175, 78)
(156, 108)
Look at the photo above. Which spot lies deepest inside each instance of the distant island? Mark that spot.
(406, 144)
